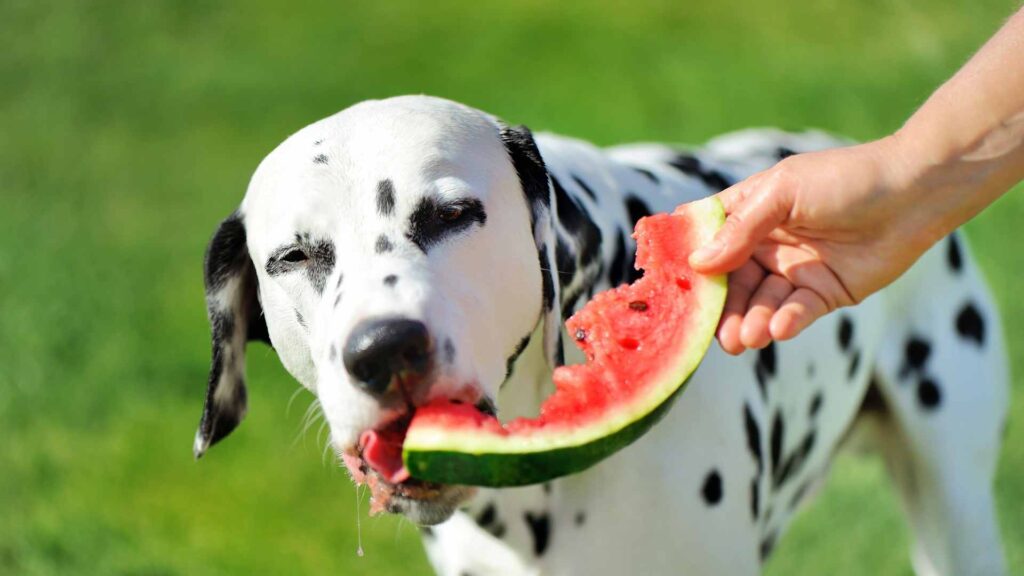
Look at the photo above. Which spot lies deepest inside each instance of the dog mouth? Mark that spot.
(376, 462)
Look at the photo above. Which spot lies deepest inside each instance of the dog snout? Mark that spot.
(377, 350)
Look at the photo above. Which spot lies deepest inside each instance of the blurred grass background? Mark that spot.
(131, 128)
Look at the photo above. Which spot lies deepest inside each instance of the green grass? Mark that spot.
(131, 128)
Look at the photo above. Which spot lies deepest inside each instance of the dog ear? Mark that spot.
(233, 307)
(540, 197)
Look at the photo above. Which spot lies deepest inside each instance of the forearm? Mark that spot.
(965, 146)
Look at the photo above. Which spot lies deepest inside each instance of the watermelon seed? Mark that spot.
(638, 305)
(629, 343)
(581, 334)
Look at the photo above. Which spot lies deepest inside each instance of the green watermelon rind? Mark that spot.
(480, 458)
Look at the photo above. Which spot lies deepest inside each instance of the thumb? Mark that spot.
(752, 215)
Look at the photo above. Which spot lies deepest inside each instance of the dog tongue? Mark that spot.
(382, 450)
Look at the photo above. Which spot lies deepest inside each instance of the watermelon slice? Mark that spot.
(642, 342)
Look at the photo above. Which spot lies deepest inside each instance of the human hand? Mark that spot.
(815, 232)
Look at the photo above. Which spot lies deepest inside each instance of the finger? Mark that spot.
(800, 309)
(804, 268)
(742, 284)
(756, 214)
(763, 304)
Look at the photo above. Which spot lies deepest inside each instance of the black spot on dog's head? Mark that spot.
(753, 432)
(970, 324)
(320, 159)
(383, 245)
(449, 351)
(565, 262)
(385, 197)
(390, 280)
(617, 268)
(712, 490)
(580, 518)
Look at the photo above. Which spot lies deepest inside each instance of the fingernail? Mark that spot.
(706, 253)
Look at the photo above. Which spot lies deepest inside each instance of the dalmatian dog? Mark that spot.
(413, 248)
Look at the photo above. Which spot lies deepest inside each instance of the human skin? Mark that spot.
(823, 230)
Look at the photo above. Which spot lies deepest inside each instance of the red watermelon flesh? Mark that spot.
(641, 341)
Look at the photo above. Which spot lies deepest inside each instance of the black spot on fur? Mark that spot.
(320, 159)
(540, 529)
(845, 332)
(781, 153)
(511, 361)
(795, 461)
(692, 166)
(617, 269)
(337, 300)
(768, 545)
(854, 365)
(580, 518)
(766, 358)
(953, 254)
(427, 532)
(449, 351)
(636, 208)
(753, 432)
(318, 142)
(815, 406)
(547, 487)
(383, 245)
(341, 277)
(583, 186)
(755, 498)
(488, 516)
(391, 280)
(528, 164)
(915, 353)
(385, 197)
(547, 279)
(565, 261)
(762, 379)
(300, 319)
(647, 174)
(428, 224)
(778, 432)
(929, 394)
(712, 491)
(575, 219)
(970, 324)
(318, 260)
(333, 353)
(799, 494)
(811, 369)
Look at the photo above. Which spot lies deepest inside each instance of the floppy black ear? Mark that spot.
(233, 307)
(540, 197)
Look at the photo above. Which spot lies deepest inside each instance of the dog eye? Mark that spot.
(450, 213)
(295, 256)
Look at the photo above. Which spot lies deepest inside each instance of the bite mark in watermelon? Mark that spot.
(642, 342)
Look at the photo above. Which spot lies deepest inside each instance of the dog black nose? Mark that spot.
(379, 349)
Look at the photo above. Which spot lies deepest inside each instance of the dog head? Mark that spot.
(394, 253)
